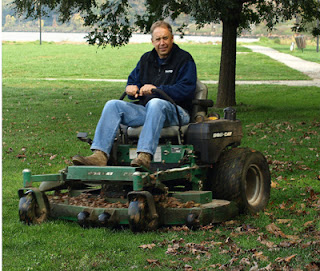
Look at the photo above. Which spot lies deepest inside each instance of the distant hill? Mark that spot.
(10, 22)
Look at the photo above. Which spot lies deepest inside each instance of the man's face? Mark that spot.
(162, 40)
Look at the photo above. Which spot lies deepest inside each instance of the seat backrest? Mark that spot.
(199, 112)
(201, 94)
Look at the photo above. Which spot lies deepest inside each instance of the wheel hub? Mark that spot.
(253, 184)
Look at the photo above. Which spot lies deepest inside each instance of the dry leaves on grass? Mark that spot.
(153, 263)
(147, 246)
(298, 135)
(313, 266)
(179, 247)
(285, 259)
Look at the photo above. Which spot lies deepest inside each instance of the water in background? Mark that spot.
(80, 37)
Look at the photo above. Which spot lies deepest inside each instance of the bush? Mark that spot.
(277, 41)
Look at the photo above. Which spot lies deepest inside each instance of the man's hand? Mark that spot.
(146, 89)
(132, 90)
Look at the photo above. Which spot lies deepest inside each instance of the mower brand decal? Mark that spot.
(132, 153)
(99, 173)
(157, 155)
(175, 150)
(221, 134)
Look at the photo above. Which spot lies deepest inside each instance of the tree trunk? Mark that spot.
(227, 85)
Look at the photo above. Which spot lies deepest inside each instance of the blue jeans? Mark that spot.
(154, 116)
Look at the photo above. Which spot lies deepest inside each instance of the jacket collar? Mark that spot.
(154, 55)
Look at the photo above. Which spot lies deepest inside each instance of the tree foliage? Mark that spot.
(111, 18)
(114, 21)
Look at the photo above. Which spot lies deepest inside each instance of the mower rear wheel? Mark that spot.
(242, 175)
(29, 211)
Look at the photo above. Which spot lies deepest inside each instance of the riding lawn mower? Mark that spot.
(199, 175)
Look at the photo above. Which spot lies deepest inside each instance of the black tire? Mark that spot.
(242, 175)
(137, 215)
(29, 211)
(140, 218)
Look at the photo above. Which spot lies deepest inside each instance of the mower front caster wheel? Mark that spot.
(139, 216)
(29, 210)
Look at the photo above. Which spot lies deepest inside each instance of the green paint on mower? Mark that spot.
(199, 175)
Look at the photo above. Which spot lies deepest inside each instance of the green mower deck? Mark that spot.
(141, 210)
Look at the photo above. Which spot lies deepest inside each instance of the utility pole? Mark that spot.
(318, 27)
(40, 22)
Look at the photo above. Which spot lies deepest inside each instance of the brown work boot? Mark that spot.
(143, 159)
(98, 158)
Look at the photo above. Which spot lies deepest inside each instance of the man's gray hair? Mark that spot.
(161, 24)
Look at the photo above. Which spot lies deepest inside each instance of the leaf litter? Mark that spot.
(280, 235)
(272, 238)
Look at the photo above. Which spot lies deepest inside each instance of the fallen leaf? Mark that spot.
(293, 237)
(245, 261)
(215, 265)
(147, 246)
(231, 222)
(153, 262)
(313, 266)
(285, 259)
(284, 221)
(260, 256)
(233, 260)
(255, 267)
(307, 223)
(53, 156)
(272, 228)
(289, 258)
(269, 267)
(269, 244)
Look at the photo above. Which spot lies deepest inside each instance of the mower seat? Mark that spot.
(199, 111)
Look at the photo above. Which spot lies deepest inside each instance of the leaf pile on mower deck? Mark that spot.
(172, 202)
(97, 201)
(86, 200)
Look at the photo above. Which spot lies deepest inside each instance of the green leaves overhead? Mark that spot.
(111, 24)
(114, 21)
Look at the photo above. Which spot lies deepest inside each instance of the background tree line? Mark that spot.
(13, 22)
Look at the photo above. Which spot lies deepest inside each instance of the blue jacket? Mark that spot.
(176, 75)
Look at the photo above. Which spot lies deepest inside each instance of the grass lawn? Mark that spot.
(50, 60)
(40, 122)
